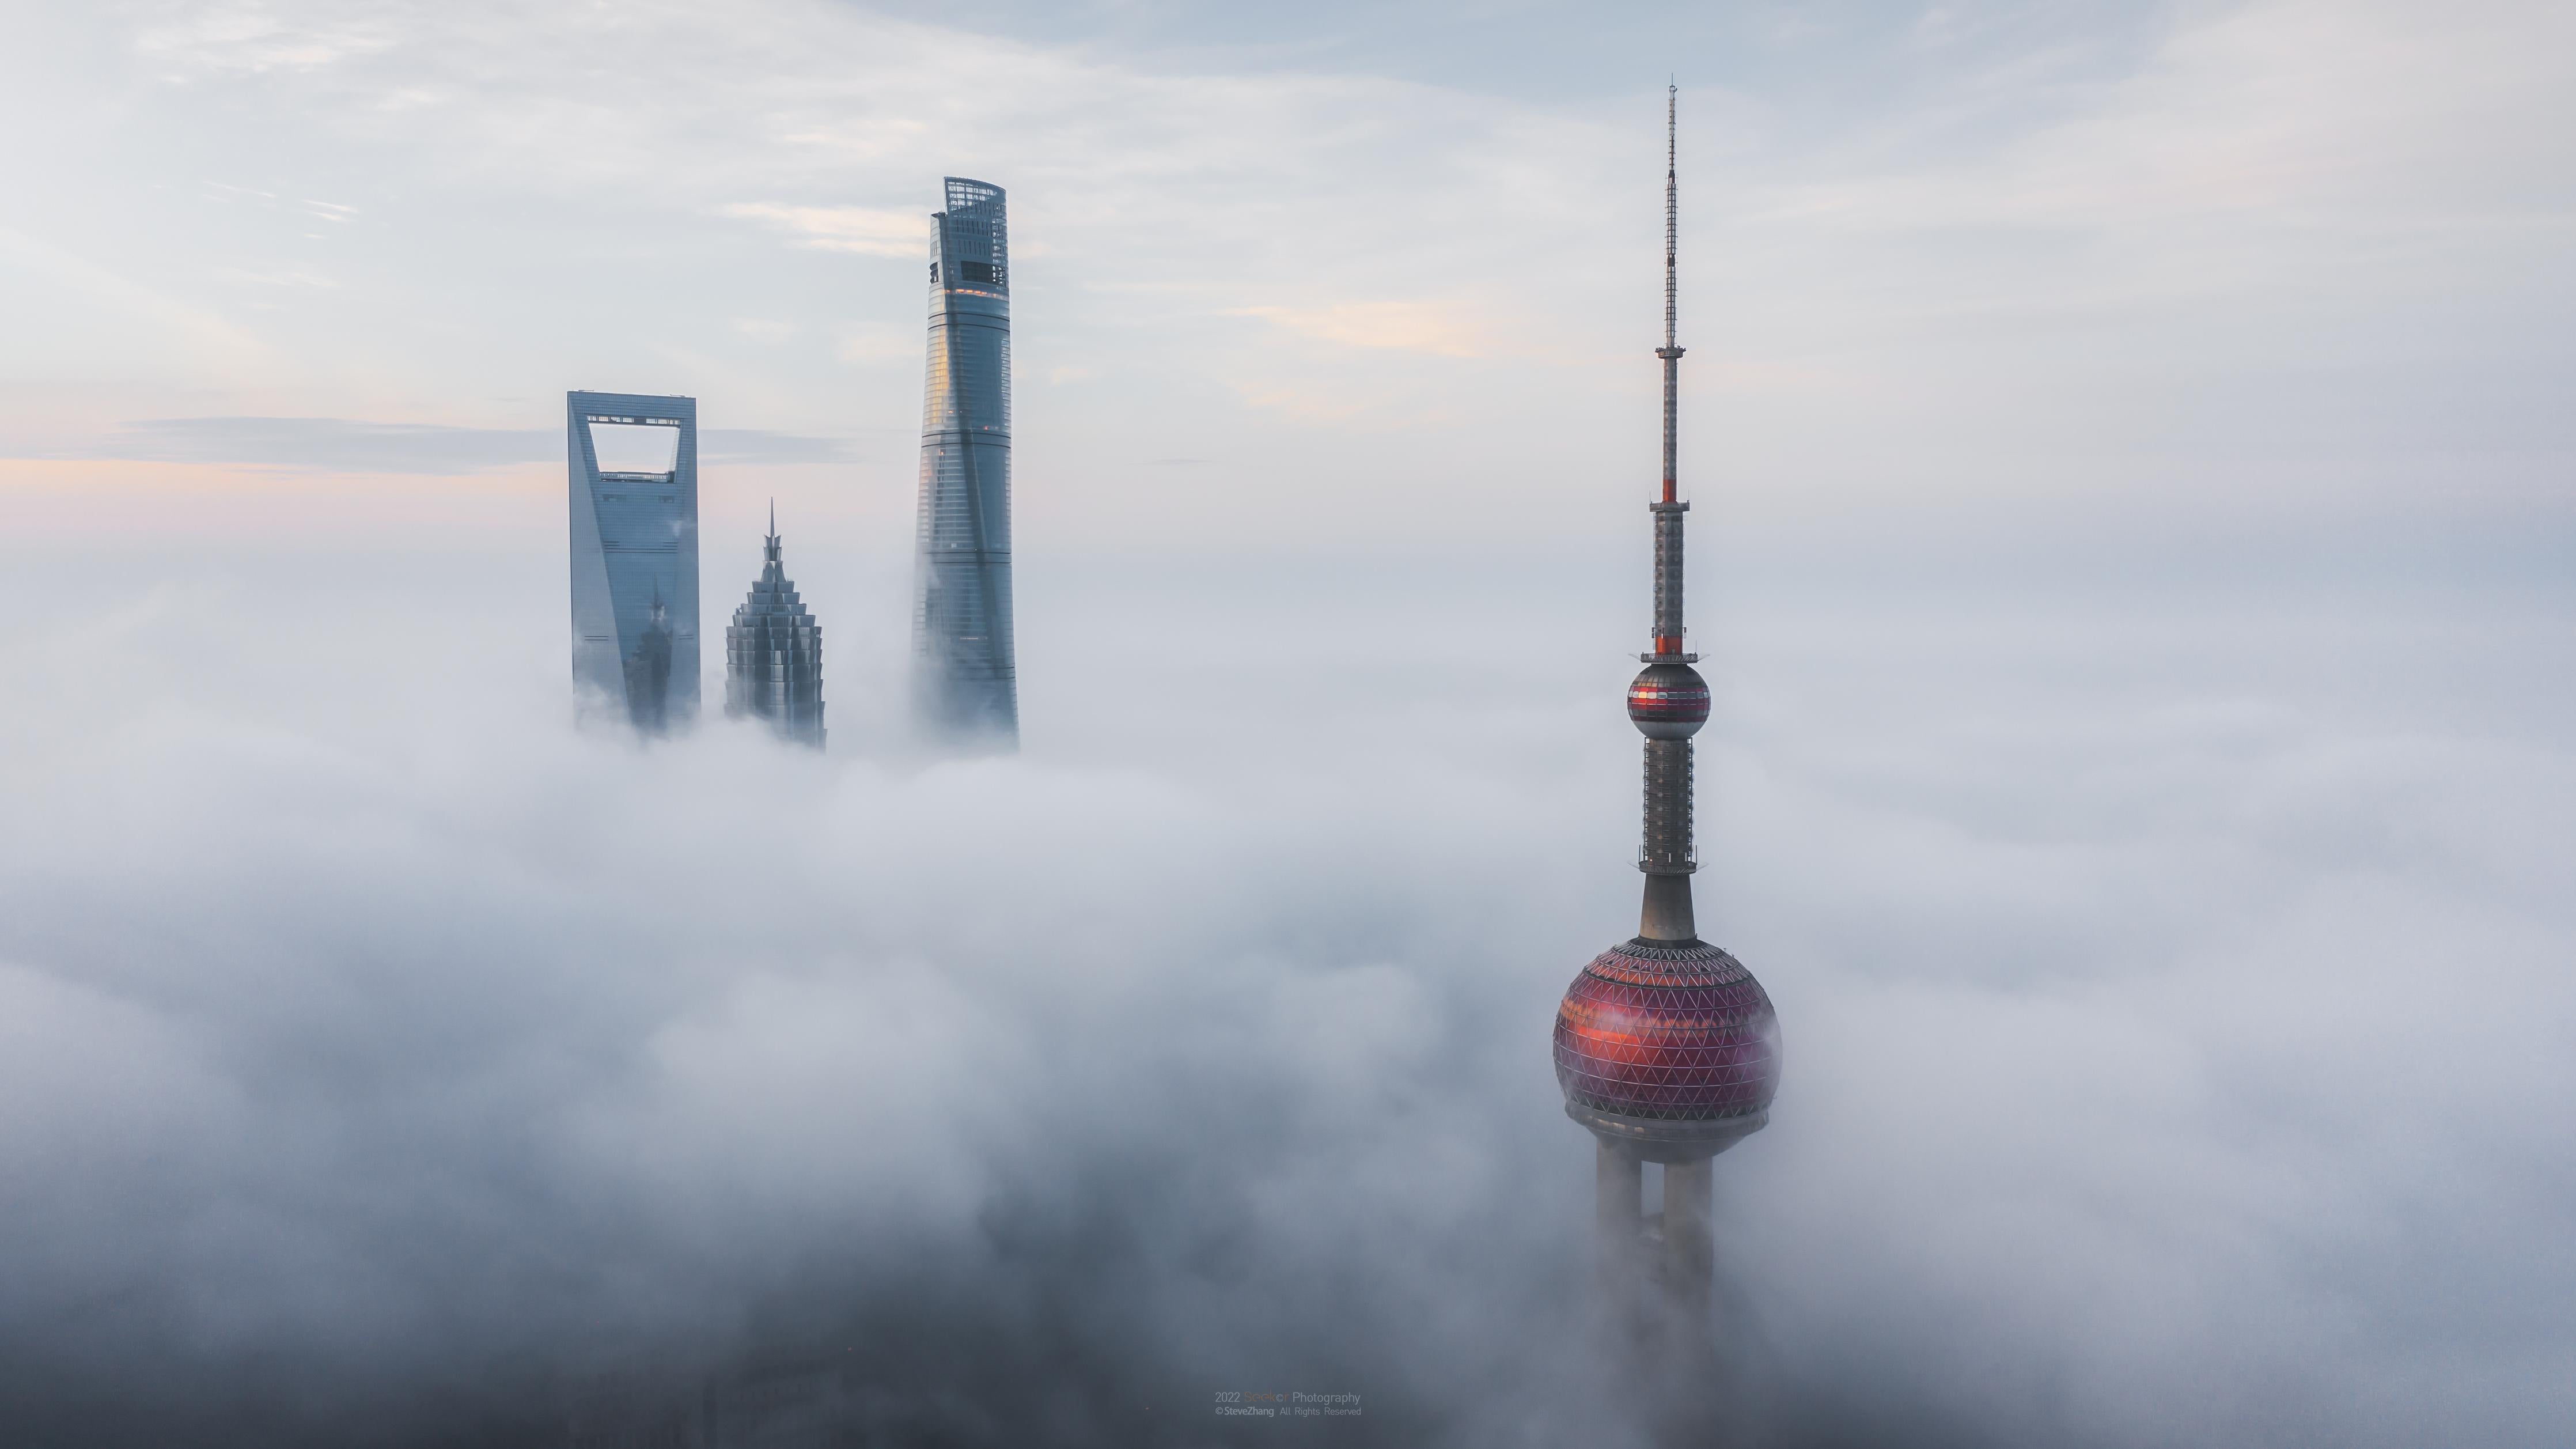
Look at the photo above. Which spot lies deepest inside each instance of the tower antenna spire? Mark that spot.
(1672, 232)
(1669, 700)
(1668, 520)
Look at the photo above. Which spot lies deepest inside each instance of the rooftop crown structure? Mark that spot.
(635, 559)
(1666, 1047)
(774, 653)
(965, 672)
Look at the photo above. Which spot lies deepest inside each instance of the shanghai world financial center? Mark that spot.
(635, 556)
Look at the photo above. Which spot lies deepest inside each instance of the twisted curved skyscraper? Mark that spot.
(965, 677)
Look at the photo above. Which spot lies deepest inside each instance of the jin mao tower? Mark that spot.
(774, 653)
(1667, 1049)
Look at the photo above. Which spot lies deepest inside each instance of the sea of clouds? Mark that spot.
(2172, 970)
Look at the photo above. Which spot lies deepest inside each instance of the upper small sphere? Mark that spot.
(1668, 702)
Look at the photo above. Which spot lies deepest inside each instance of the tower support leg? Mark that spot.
(1619, 1208)
(1690, 1252)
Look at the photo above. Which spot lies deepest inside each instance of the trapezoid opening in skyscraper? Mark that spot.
(633, 461)
(965, 669)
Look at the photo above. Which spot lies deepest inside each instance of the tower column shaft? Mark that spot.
(1667, 914)
(1667, 846)
(1690, 1252)
(1666, 855)
(1619, 1216)
(1672, 419)
(1668, 573)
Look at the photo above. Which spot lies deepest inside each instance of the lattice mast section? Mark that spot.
(1667, 856)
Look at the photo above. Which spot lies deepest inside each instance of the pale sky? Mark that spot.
(1304, 277)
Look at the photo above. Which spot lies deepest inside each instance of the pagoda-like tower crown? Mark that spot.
(774, 653)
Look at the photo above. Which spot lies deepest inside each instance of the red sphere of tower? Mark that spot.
(1670, 1047)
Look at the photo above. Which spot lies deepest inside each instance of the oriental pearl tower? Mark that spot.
(1666, 1047)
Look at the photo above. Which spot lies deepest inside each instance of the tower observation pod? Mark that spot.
(1667, 1049)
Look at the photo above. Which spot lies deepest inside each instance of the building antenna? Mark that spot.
(1672, 209)
(1671, 352)
(1668, 512)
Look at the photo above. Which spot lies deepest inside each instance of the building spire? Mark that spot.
(1668, 522)
(1672, 209)
(1669, 701)
(774, 652)
(1672, 351)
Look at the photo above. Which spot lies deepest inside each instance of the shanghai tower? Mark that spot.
(965, 678)
(1667, 1049)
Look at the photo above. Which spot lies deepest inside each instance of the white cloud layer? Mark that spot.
(2173, 1001)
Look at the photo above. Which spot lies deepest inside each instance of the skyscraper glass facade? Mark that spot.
(774, 654)
(634, 565)
(965, 680)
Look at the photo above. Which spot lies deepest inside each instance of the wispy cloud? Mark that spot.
(339, 444)
(868, 231)
(1439, 329)
(875, 346)
(351, 446)
(305, 278)
(256, 38)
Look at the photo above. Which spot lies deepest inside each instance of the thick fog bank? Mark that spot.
(2175, 997)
